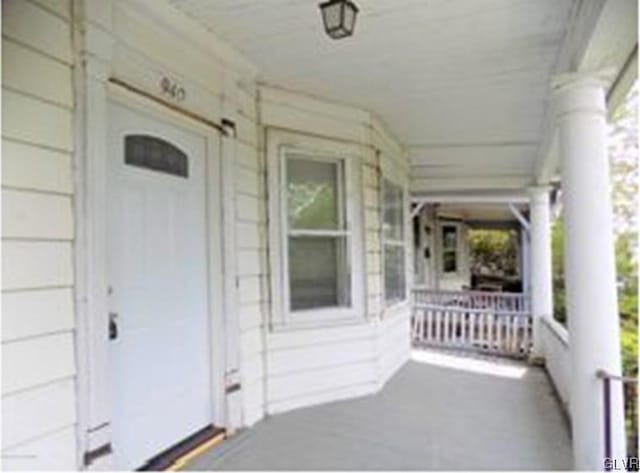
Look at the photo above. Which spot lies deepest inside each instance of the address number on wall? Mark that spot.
(173, 89)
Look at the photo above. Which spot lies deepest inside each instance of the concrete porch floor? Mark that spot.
(441, 411)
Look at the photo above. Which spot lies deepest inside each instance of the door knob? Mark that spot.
(113, 326)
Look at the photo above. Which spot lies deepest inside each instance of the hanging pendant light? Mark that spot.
(339, 17)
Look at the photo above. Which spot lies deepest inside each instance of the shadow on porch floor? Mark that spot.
(441, 411)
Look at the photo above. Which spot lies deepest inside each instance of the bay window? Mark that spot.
(393, 236)
(315, 216)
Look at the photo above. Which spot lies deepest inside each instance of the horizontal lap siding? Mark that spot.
(215, 92)
(372, 232)
(312, 366)
(394, 343)
(38, 358)
(309, 367)
(251, 254)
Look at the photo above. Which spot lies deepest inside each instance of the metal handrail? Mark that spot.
(606, 378)
(602, 374)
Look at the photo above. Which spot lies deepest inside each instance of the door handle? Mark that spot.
(113, 326)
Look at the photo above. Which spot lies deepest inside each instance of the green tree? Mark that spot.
(557, 252)
(493, 251)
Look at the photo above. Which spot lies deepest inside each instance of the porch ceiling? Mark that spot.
(463, 84)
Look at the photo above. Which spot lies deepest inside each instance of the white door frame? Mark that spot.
(91, 256)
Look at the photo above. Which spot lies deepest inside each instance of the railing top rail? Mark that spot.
(452, 308)
(467, 292)
(602, 374)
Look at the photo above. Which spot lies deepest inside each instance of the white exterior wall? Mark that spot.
(43, 412)
(555, 346)
(143, 52)
(434, 277)
(251, 257)
(38, 355)
(316, 365)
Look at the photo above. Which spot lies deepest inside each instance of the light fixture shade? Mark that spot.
(339, 17)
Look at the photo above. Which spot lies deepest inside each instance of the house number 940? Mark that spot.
(172, 89)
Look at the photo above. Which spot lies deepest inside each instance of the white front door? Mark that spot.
(159, 335)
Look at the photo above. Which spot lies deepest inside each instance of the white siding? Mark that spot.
(555, 344)
(312, 366)
(279, 370)
(251, 255)
(394, 344)
(38, 359)
(144, 51)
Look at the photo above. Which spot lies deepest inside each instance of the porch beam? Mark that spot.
(516, 197)
(590, 273)
(518, 215)
(418, 208)
(492, 224)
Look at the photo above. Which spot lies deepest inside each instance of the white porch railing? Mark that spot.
(500, 301)
(471, 321)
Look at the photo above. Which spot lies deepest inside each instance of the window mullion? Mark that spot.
(298, 232)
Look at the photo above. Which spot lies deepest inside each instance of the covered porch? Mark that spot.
(442, 410)
(207, 227)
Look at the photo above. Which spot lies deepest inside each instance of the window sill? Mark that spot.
(299, 325)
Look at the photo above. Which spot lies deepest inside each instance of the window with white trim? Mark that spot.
(317, 234)
(395, 246)
(315, 223)
(449, 238)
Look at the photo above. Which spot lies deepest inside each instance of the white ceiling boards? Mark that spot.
(462, 83)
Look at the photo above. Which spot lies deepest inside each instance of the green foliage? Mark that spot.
(493, 251)
(627, 270)
(312, 206)
(557, 252)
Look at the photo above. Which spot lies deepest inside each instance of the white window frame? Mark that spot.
(458, 252)
(279, 144)
(403, 243)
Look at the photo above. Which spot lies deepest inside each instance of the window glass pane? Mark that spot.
(156, 154)
(312, 194)
(449, 262)
(393, 211)
(449, 237)
(318, 272)
(394, 274)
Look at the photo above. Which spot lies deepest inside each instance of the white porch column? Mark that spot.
(594, 334)
(541, 281)
(525, 262)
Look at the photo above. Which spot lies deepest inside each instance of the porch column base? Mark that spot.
(536, 360)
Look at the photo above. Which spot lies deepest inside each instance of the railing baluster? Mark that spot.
(472, 329)
(497, 322)
(446, 326)
(427, 314)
